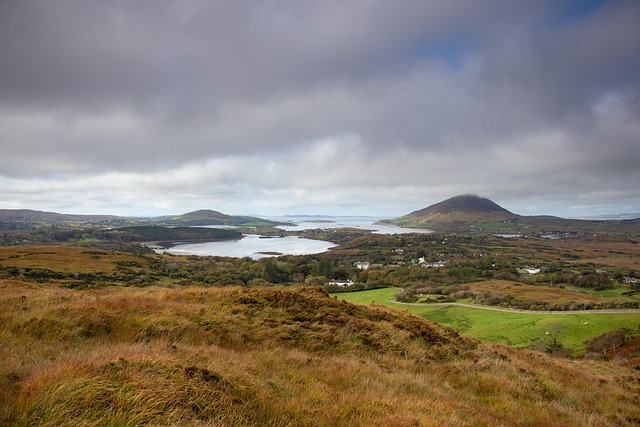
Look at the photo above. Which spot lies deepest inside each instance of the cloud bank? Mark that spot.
(356, 107)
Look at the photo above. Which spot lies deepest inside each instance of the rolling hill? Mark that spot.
(34, 216)
(211, 217)
(19, 218)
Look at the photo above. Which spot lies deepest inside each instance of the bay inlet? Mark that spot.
(256, 246)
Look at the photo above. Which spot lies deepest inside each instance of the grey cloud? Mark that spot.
(79, 53)
(422, 99)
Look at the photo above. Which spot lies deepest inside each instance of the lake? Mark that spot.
(256, 247)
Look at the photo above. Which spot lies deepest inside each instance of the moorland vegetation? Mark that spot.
(279, 356)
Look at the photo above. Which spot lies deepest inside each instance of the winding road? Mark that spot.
(516, 310)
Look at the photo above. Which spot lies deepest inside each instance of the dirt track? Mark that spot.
(515, 310)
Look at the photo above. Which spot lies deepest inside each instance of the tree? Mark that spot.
(325, 268)
(552, 333)
(273, 273)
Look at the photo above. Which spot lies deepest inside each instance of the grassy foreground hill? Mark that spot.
(275, 357)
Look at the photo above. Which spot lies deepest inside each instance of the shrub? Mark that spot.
(406, 295)
(608, 341)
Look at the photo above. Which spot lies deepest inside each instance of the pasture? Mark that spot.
(518, 329)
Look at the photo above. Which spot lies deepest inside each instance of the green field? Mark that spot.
(515, 329)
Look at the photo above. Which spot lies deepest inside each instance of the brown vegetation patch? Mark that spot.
(627, 354)
(600, 249)
(525, 292)
(67, 258)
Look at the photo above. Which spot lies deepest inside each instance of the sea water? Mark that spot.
(256, 246)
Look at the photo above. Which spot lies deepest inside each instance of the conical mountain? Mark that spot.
(456, 212)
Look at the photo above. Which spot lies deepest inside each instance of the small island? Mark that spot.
(167, 237)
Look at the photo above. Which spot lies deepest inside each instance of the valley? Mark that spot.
(439, 328)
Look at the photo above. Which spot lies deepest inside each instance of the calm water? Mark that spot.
(252, 246)
(256, 247)
(362, 222)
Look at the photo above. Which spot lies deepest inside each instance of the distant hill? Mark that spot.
(466, 205)
(148, 233)
(32, 216)
(454, 212)
(211, 217)
(12, 218)
(478, 214)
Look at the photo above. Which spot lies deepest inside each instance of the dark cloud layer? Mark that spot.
(344, 106)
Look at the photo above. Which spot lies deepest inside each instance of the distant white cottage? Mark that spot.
(362, 265)
(437, 264)
(340, 282)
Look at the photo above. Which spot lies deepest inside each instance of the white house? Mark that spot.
(340, 282)
(424, 263)
(362, 265)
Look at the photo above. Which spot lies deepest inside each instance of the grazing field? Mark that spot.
(507, 327)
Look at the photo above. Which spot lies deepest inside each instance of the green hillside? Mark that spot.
(211, 217)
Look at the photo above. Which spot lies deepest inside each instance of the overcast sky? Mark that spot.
(374, 107)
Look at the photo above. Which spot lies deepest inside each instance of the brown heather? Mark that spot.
(276, 357)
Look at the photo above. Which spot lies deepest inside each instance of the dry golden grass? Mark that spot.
(522, 291)
(65, 258)
(275, 357)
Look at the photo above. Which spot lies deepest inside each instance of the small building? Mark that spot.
(362, 265)
(340, 282)
(437, 264)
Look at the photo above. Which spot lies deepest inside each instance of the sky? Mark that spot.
(339, 107)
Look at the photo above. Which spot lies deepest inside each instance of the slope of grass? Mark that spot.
(275, 357)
